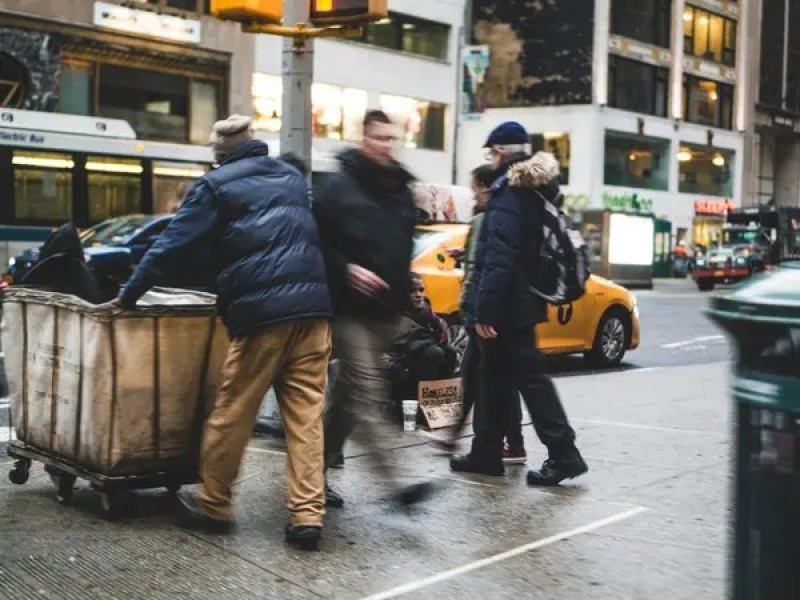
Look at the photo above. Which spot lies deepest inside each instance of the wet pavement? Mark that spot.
(648, 522)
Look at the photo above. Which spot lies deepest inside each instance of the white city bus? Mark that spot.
(56, 168)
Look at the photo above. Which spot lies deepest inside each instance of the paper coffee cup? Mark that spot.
(410, 408)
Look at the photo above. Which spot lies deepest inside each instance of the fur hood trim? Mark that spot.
(535, 172)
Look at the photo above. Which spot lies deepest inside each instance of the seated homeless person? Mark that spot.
(253, 214)
(421, 351)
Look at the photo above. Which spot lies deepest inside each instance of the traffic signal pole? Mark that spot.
(298, 75)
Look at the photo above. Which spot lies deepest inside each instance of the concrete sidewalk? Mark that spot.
(647, 522)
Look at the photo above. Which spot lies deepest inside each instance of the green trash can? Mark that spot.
(763, 318)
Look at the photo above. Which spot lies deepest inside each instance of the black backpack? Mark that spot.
(563, 266)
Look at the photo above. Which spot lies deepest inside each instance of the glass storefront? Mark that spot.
(558, 144)
(337, 113)
(423, 122)
(636, 161)
(704, 170)
(42, 186)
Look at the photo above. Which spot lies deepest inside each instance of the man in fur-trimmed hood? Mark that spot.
(505, 311)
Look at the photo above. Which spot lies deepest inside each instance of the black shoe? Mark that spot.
(338, 462)
(554, 472)
(414, 494)
(305, 537)
(187, 503)
(466, 463)
(333, 499)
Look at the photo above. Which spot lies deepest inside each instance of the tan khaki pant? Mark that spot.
(293, 356)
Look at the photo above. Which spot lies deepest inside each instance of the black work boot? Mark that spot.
(332, 498)
(555, 470)
(468, 463)
(305, 537)
(195, 519)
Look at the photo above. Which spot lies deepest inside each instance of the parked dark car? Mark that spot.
(112, 247)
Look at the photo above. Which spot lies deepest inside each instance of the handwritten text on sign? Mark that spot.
(440, 402)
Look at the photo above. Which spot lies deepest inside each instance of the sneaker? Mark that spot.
(514, 455)
(195, 519)
(444, 442)
(554, 472)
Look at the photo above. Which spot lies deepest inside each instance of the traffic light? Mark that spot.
(340, 12)
(248, 11)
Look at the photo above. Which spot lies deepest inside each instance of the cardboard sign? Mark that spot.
(440, 402)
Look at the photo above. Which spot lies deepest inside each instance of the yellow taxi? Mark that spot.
(603, 325)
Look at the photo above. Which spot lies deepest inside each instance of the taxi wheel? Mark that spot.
(611, 339)
(705, 285)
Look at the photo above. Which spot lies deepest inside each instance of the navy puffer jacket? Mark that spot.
(252, 218)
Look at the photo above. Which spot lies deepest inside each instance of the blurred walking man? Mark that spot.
(366, 220)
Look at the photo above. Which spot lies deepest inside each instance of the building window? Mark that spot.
(645, 20)
(337, 113)
(159, 106)
(709, 36)
(558, 145)
(638, 87)
(42, 186)
(13, 82)
(115, 187)
(409, 34)
(423, 122)
(76, 83)
(707, 102)
(704, 170)
(636, 161)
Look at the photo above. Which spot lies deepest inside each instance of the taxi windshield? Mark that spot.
(425, 240)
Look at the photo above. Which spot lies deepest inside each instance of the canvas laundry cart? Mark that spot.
(116, 398)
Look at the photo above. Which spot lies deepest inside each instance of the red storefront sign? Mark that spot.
(713, 207)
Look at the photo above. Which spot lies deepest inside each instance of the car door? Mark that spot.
(142, 241)
(568, 327)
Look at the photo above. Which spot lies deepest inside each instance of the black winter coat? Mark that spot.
(253, 214)
(366, 217)
(508, 249)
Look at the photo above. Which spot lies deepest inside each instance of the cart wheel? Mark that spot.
(111, 503)
(64, 483)
(20, 472)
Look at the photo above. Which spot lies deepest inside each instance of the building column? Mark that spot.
(602, 32)
(748, 65)
(676, 72)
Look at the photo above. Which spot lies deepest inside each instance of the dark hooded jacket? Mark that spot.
(508, 245)
(366, 217)
(253, 214)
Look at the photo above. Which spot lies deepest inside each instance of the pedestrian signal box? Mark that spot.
(341, 12)
(249, 11)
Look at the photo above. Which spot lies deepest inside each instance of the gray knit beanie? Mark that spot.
(227, 135)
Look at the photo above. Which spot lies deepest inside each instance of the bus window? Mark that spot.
(42, 186)
(171, 181)
(115, 187)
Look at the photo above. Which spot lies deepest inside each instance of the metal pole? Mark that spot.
(298, 75)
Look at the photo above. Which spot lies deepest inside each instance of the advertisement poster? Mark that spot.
(444, 203)
(440, 402)
(475, 60)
